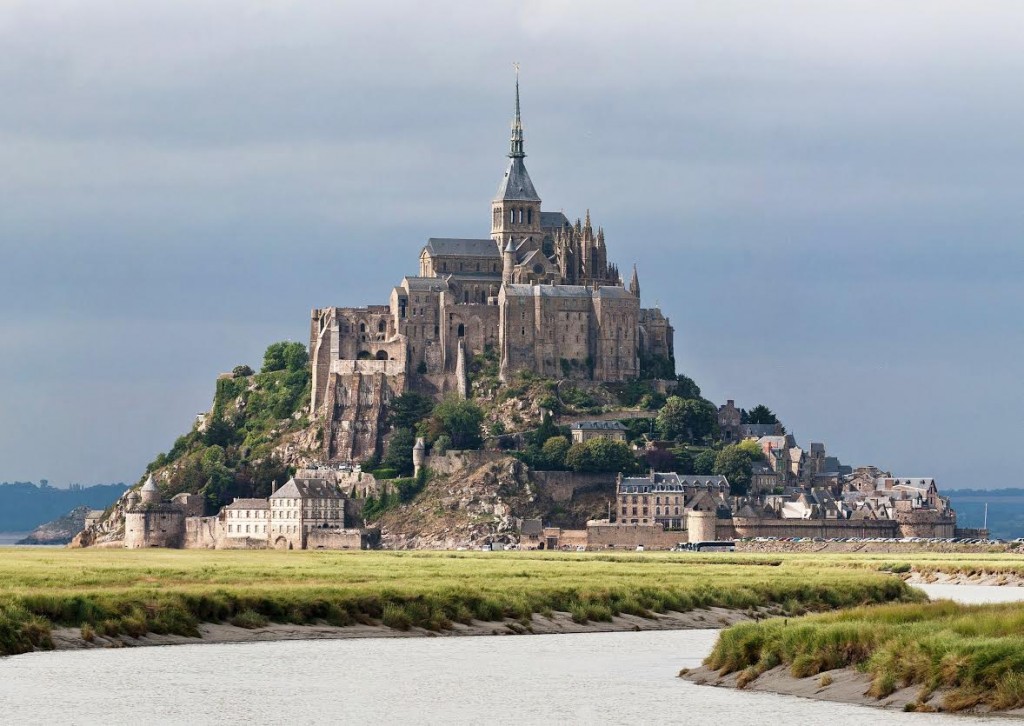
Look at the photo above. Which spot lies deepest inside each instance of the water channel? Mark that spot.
(617, 678)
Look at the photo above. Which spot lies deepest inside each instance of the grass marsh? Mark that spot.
(122, 592)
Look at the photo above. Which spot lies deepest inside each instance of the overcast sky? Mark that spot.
(825, 198)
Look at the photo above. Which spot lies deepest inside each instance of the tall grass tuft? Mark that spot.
(973, 653)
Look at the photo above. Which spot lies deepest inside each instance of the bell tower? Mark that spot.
(515, 210)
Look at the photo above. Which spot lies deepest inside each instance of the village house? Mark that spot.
(583, 431)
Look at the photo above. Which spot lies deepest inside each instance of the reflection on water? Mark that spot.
(620, 678)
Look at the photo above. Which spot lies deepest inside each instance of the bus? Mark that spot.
(722, 546)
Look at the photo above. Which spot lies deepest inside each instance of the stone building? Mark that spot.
(586, 430)
(729, 422)
(540, 291)
(301, 506)
(665, 499)
(247, 519)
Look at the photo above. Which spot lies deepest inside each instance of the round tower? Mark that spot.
(508, 262)
(419, 455)
(150, 492)
(701, 526)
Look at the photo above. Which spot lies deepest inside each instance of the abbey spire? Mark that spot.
(516, 145)
(515, 210)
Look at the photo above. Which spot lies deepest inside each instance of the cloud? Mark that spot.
(823, 196)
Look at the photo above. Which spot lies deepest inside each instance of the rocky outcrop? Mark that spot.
(60, 531)
(480, 503)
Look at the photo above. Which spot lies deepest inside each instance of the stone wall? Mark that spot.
(335, 539)
(758, 527)
(203, 532)
(454, 461)
(562, 485)
(631, 536)
(925, 523)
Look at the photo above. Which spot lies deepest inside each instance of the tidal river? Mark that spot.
(621, 678)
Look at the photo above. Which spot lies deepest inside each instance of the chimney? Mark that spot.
(273, 486)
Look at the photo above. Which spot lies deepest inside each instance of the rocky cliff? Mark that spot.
(477, 504)
(60, 531)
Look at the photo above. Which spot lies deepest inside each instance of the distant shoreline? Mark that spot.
(559, 623)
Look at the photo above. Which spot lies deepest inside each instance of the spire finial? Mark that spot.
(516, 146)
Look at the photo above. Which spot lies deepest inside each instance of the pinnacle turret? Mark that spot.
(634, 283)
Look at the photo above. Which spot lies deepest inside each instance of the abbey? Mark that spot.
(539, 291)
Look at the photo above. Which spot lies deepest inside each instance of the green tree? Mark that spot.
(686, 387)
(219, 432)
(399, 455)
(704, 462)
(285, 356)
(219, 478)
(684, 461)
(761, 414)
(553, 452)
(690, 419)
(734, 463)
(545, 431)
(241, 371)
(601, 455)
(405, 411)
(458, 419)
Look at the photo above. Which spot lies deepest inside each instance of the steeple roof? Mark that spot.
(516, 184)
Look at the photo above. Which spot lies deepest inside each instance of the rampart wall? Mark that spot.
(631, 536)
(335, 539)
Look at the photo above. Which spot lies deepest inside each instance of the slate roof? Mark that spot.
(450, 246)
(249, 504)
(516, 184)
(758, 430)
(598, 426)
(613, 291)
(532, 527)
(421, 284)
(553, 220)
(308, 489)
(674, 481)
(547, 290)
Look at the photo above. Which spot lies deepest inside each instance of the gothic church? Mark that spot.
(540, 292)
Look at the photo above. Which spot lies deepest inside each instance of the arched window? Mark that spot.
(382, 355)
(512, 216)
(529, 216)
(362, 327)
(380, 327)
(461, 330)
